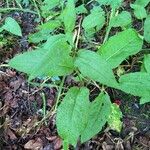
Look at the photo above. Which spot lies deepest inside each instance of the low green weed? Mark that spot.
(67, 47)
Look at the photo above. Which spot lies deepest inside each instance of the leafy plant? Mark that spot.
(79, 118)
(11, 26)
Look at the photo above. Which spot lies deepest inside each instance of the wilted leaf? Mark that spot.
(114, 118)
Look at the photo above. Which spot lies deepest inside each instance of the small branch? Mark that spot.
(59, 93)
(17, 9)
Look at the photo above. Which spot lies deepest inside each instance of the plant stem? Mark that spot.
(44, 105)
(59, 93)
(38, 11)
(4, 65)
(7, 3)
(109, 25)
(65, 145)
(18, 4)
(50, 113)
(17, 9)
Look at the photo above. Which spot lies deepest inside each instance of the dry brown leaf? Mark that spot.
(11, 135)
(34, 144)
(57, 144)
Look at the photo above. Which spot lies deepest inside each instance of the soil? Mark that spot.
(21, 124)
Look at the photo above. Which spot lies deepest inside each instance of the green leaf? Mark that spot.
(146, 29)
(95, 19)
(136, 84)
(49, 4)
(114, 120)
(53, 60)
(121, 20)
(147, 63)
(50, 25)
(120, 47)
(144, 100)
(99, 112)
(72, 114)
(113, 3)
(95, 67)
(12, 26)
(69, 16)
(143, 3)
(1, 29)
(139, 11)
(81, 9)
(39, 36)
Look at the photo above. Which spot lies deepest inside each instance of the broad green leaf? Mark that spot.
(147, 63)
(144, 100)
(48, 61)
(12, 26)
(95, 19)
(147, 29)
(52, 40)
(115, 116)
(120, 47)
(69, 16)
(113, 3)
(50, 25)
(39, 36)
(1, 29)
(93, 66)
(49, 4)
(99, 112)
(72, 114)
(137, 84)
(81, 9)
(139, 11)
(44, 31)
(121, 20)
(143, 3)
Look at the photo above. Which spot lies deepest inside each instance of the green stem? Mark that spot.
(17, 9)
(109, 26)
(38, 11)
(59, 93)
(4, 65)
(65, 145)
(44, 104)
(7, 3)
(18, 4)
